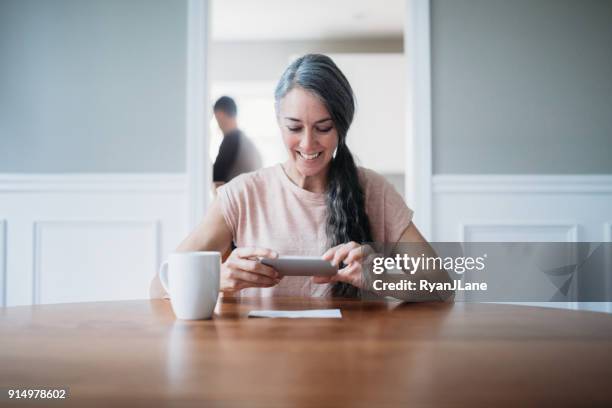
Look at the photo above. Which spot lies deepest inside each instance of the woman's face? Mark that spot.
(308, 132)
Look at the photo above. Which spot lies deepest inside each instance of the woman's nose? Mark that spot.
(307, 141)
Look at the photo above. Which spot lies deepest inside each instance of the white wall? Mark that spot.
(525, 208)
(70, 238)
(377, 135)
(522, 208)
(266, 60)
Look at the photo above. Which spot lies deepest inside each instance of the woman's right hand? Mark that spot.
(242, 269)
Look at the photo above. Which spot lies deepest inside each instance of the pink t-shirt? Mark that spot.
(266, 209)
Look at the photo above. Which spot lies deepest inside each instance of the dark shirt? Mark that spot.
(228, 153)
(237, 155)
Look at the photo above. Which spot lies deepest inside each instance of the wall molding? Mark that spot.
(3, 262)
(521, 183)
(93, 182)
(571, 229)
(114, 203)
(39, 225)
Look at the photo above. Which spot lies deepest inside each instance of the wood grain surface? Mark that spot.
(134, 353)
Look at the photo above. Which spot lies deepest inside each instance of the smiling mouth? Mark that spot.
(309, 156)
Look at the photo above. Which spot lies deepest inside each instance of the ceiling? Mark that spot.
(240, 20)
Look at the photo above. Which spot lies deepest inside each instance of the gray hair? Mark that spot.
(318, 74)
(345, 200)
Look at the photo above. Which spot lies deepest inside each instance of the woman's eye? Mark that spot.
(325, 130)
(294, 129)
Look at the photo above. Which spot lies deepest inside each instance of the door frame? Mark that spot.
(418, 164)
(198, 166)
(419, 167)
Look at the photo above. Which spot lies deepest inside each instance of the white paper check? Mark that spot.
(296, 314)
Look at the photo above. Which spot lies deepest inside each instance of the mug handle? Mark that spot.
(163, 276)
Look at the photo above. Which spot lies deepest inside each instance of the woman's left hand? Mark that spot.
(353, 256)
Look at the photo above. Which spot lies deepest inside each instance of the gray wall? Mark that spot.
(266, 60)
(92, 86)
(522, 86)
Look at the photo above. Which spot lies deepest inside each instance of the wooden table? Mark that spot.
(134, 353)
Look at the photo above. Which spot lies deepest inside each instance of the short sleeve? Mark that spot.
(388, 213)
(397, 214)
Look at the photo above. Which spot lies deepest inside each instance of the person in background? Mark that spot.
(237, 153)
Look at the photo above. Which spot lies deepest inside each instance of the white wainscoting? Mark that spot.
(521, 207)
(73, 238)
(64, 250)
(524, 208)
(519, 231)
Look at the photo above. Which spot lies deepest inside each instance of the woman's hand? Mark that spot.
(353, 256)
(243, 270)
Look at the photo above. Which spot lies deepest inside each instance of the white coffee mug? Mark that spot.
(192, 281)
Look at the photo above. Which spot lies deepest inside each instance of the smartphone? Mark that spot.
(301, 266)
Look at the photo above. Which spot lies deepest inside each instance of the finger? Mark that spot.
(248, 252)
(347, 273)
(329, 254)
(321, 279)
(341, 253)
(356, 254)
(253, 266)
(238, 274)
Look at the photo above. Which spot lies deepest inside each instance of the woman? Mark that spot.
(316, 203)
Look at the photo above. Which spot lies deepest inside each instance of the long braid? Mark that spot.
(346, 216)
